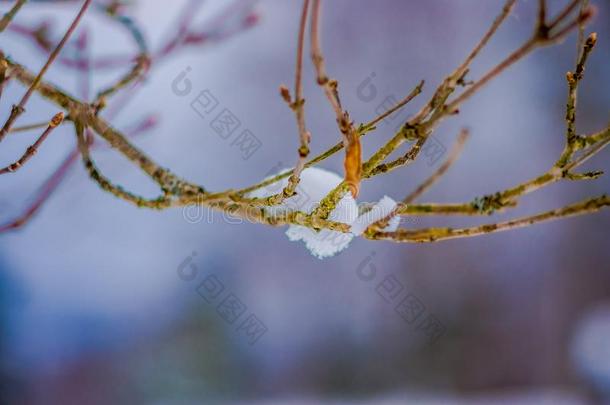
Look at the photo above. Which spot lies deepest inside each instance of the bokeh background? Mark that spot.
(92, 308)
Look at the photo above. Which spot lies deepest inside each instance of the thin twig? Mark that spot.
(588, 154)
(180, 30)
(426, 184)
(177, 192)
(420, 130)
(415, 129)
(30, 127)
(299, 101)
(189, 39)
(31, 151)
(105, 184)
(20, 108)
(141, 64)
(43, 195)
(574, 79)
(439, 234)
(363, 130)
(414, 93)
(4, 77)
(542, 13)
(449, 84)
(329, 86)
(563, 14)
(353, 149)
(8, 17)
(58, 176)
(580, 43)
(298, 106)
(562, 169)
(440, 172)
(538, 39)
(82, 112)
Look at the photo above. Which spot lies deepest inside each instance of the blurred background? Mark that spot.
(101, 302)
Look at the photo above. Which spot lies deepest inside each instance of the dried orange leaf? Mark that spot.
(353, 163)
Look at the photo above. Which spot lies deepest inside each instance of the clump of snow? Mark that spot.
(382, 209)
(315, 184)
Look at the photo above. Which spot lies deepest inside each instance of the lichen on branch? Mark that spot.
(360, 164)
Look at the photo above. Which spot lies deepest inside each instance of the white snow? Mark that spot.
(315, 184)
(382, 209)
